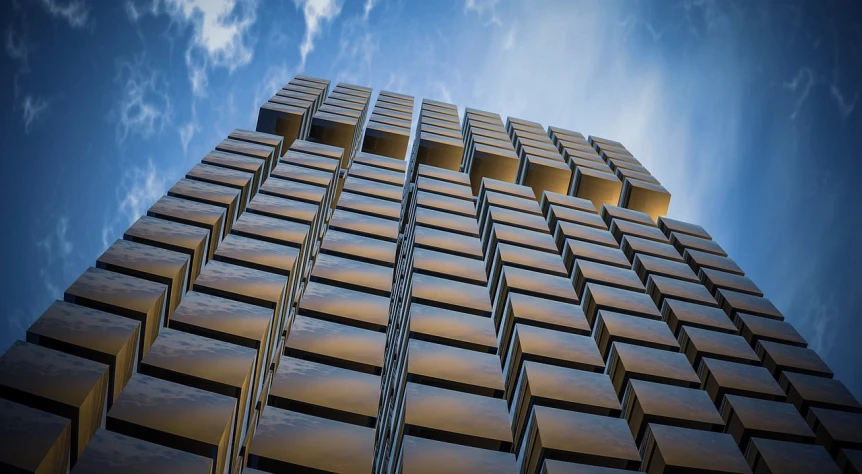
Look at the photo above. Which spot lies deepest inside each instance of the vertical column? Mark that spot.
(288, 113)
(558, 396)
(592, 180)
(650, 375)
(487, 149)
(438, 141)
(442, 395)
(322, 410)
(388, 129)
(541, 167)
(641, 191)
(338, 122)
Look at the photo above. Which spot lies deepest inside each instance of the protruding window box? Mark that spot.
(721, 377)
(205, 216)
(91, 334)
(554, 434)
(675, 449)
(57, 383)
(628, 361)
(177, 416)
(645, 403)
(748, 418)
(326, 391)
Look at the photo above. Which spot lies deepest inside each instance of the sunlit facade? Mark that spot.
(345, 290)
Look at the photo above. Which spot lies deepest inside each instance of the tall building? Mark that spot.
(502, 297)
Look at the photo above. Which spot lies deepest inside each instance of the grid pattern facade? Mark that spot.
(507, 298)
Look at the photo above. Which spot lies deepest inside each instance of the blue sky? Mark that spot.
(746, 111)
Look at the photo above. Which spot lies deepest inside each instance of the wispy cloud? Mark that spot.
(56, 244)
(626, 98)
(275, 77)
(357, 46)
(441, 90)
(144, 106)
(396, 83)
(18, 47)
(34, 109)
(510, 37)
(485, 9)
(222, 33)
(366, 9)
(189, 129)
(703, 16)
(140, 187)
(316, 13)
(801, 84)
(844, 106)
(632, 22)
(57, 249)
(75, 12)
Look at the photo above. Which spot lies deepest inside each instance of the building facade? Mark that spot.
(317, 296)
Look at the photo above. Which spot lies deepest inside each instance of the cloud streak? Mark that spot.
(221, 33)
(144, 106)
(486, 10)
(844, 106)
(366, 9)
(75, 12)
(805, 80)
(316, 14)
(625, 98)
(34, 109)
(188, 130)
(57, 249)
(140, 187)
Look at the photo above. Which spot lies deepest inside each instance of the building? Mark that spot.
(511, 298)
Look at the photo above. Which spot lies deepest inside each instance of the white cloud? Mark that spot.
(144, 186)
(822, 319)
(18, 47)
(75, 12)
(221, 33)
(805, 79)
(570, 66)
(55, 243)
(357, 46)
(139, 188)
(189, 129)
(144, 107)
(631, 23)
(485, 9)
(396, 83)
(366, 9)
(703, 16)
(316, 14)
(275, 77)
(57, 250)
(845, 107)
(510, 37)
(440, 90)
(33, 110)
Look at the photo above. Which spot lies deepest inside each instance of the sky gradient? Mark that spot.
(745, 111)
